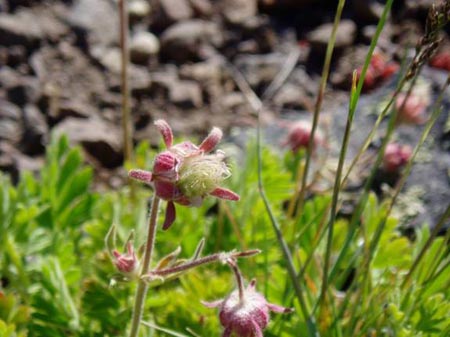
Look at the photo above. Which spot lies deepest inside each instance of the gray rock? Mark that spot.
(29, 26)
(103, 141)
(143, 45)
(186, 40)
(320, 36)
(238, 11)
(171, 11)
(35, 131)
(96, 19)
(186, 94)
(13, 161)
(20, 89)
(202, 8)
(368, 10)
(139, 9)
(10, 124)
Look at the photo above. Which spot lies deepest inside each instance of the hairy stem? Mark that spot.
(141, 291)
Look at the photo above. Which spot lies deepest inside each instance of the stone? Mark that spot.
(35, 131)
(10, 124)
(187, 94)
(185, 40)
(97, 21)
(101, 140)
(238, 11)
(369, 10)
(143, 45)
(345, 36)
(19, 88)
(139, 9)
(171, 11)
(13, 162)
(15, 29)
(291, 96)
(202, 8)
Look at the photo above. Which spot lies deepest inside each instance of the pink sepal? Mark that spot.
(212, 140)
(224, 193)
(166, 132)
(256, 329)
(141, 175)
(170, 215)
(279, 308)
(213, 304)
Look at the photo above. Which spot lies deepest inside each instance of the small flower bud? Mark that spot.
(126, 263)
(247, 316)
(396, 156)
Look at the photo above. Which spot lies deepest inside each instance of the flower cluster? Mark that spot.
(299, 135)
(396, 156)
(245, 314)
(379, 70)
(185, 173)
(411, 108)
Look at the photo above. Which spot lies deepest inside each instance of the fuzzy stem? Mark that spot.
(201, 261)
(142, 288)
(240, 284)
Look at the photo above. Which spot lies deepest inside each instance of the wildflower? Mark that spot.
(396, 156)
(299, 135)
(379, 70)
(441, 61)
(126, 263)
(411, 109)
(245, 312)
(185, 173)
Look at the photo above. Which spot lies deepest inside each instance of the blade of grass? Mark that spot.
(335, 198)
(318, 105)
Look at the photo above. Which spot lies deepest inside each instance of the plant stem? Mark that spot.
(141, 291)
(239, 282)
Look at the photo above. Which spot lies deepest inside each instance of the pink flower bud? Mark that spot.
(441, 61)
(396, 156)
(299, 135)
(411, 109)
(246, 317)
(126, 263)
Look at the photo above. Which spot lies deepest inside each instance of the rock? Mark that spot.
(238, 11)
(97, 21)
(16, 29)
(285, 4)
(202, 8)
(14, 162)
(143, 45)
(320, 36)
(187, 94)
(208, 71)
(20, 89)
(368, 10)
(186, 40)
(351, 59)
(172, 11)
(10, 125)
(35, 131)
(103, 141)
(291, 96)
(138, 9)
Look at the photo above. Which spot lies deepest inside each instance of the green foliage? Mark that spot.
(56, 271)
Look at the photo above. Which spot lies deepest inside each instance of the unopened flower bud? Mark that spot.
(411, 109)
(247, 316)
(126, 263)
(299, 136)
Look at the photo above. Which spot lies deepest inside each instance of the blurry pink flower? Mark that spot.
(441, 60)
(246, 317)
(299, 135)
(411, 109)
(396, 156)
(126, 263)
(185, 173)
(379, 69)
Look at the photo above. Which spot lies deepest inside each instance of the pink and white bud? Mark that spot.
(247, 316)
(396, 157)
(126, 263)
(165, 167)
(299, 135)
(411, 109)
(141, 175)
